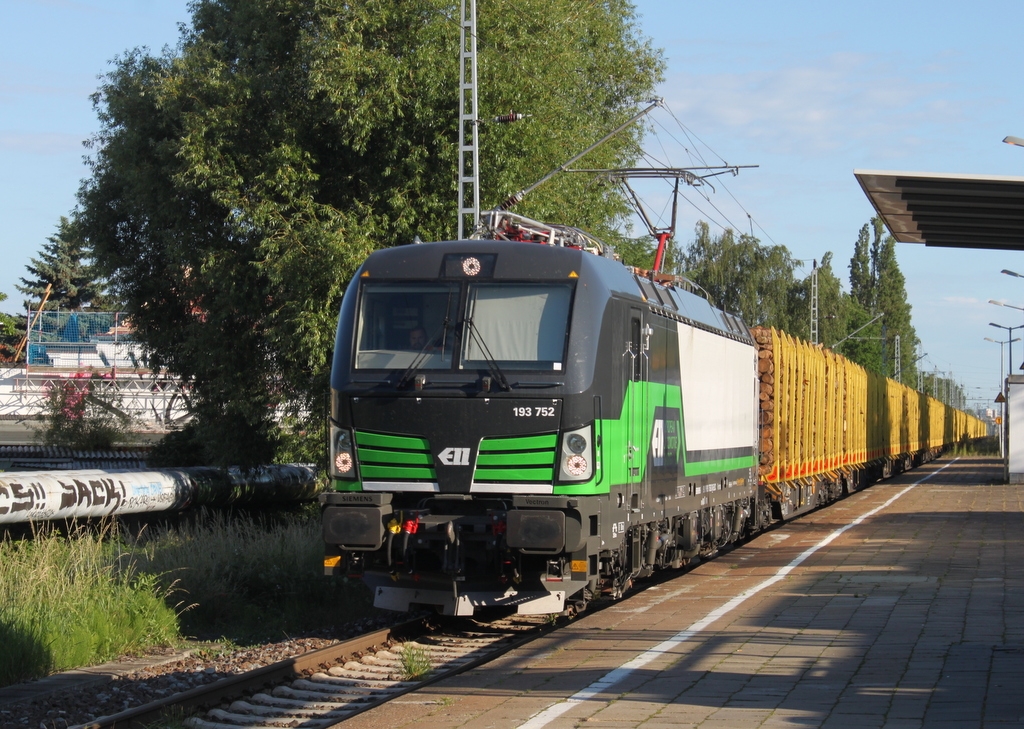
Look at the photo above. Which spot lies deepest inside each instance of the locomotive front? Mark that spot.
(462, 427)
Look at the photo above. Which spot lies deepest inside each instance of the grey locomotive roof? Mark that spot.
(519, 261)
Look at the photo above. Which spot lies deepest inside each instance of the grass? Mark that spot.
(415, 662)
(68, 601)
(987, 446)
(249, 578)
(81, 599)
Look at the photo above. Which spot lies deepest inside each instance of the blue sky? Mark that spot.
(806, 91)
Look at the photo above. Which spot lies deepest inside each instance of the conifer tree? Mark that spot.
(62, 264)
(878, 287)
(861, 279)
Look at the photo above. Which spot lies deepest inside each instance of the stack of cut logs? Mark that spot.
(766, 383)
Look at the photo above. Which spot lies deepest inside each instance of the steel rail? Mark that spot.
(234, 686)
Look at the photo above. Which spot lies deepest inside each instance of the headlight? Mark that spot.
(576, 459)
(343, 463)
(576, 465)
(343, 454)
(576, 443)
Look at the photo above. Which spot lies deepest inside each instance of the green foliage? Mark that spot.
(637, 252)
(75, 601)
(642, 253)
(877, 286)
(862, 285)
(84, 413)
(834, 305)
(12, 332)
(179, 448)
(238, 181)
(304, 440)
(863, 347)
(756, 281)
(63, 265)
(415, 662)
(743, 276)
(250, 578)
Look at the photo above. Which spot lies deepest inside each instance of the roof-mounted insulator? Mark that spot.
(509, 118)
(511, 202)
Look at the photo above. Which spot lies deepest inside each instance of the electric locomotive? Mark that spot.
(524, 422)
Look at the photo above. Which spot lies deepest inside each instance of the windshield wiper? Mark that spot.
(421, 356)
(492, 365)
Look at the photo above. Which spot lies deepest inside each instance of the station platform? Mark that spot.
(901, 606)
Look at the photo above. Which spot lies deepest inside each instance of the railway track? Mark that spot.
(323, 687)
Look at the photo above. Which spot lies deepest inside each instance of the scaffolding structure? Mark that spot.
(63, 346)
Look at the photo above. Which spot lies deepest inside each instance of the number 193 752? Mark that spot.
(538, 412)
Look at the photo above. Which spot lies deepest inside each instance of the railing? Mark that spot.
(98, 345)
(79, 340)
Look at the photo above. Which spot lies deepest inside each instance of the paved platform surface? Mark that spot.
(913, 616)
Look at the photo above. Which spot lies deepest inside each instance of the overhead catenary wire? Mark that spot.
(691, 146)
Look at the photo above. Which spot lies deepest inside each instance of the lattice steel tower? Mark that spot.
(469, 155)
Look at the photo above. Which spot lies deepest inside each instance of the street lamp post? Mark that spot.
(1002, 385)
(1009, 369)
(1008, 306)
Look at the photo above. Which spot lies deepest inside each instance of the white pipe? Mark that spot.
(46, 495)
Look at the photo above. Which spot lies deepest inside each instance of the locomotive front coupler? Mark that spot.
(457, 529)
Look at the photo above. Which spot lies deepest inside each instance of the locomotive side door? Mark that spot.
(637, 445)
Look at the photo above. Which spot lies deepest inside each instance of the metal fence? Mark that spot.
(70, 345)
(76, 340)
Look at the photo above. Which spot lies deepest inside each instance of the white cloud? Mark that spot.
(838, 101)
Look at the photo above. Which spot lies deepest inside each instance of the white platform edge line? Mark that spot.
(614, 676)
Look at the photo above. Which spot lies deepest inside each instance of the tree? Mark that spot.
(12, 332)
(891, 299)
(62, 265)
(238, 181)
(878, 287)
(862, 283)
(742, 276)
(834, 305)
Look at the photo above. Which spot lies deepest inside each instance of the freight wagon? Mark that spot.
(829, 424)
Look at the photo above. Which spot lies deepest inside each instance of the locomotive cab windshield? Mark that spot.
(462, 326)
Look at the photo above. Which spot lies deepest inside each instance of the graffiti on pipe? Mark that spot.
(56, 495)
(43, 495)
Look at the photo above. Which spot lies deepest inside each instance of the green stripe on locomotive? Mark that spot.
(532, 458)
(642, 402)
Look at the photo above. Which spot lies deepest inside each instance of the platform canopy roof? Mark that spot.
(953, 211)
